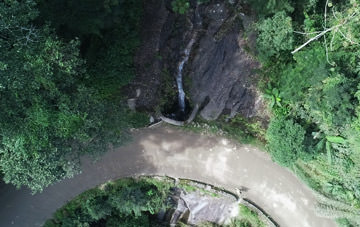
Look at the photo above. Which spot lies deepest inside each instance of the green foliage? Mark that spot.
(330, 103)
(318, 86)
(347, 15)
(238, 128)
(127, 201)
(335, 139)
(113, 68)
(317, 94)
(275, 35)
(343, 222)
(273, 95)
(203, 1)
(180, 6)
(128, 221)
(309, 70)
(50, 112)
(285, 141)
(87, 17)
(38, 83)
(35, 169)
(131, 202)
(11, 28)
(244, 129)
(327, 144)
(270, 6)
(331, 208)
(247, 217)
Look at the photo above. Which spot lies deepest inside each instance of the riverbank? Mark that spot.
(172, 152)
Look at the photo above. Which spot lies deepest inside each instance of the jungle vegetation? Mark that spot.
(63, 64)
(136, 202)
(311, 61)
(128, 202)
(59, 98)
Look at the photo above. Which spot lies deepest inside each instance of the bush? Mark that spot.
(275, 35)
(265, 8)
(180, 6)
(285, 140)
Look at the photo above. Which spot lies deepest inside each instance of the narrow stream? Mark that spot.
(187, 51)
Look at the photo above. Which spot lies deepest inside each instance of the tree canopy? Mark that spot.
(64, 63)
(318, 79)
(126, 201)
(50, 113)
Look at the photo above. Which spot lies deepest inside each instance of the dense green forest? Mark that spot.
(127, 202)
(136, 202)
(63, 64)
(311, 77)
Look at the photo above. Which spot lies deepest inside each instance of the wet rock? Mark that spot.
(131, 104)
(172, 121)
(194, 208)
(222, 70)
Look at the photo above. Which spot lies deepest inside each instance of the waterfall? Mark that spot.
(184, 60)
(179, 75)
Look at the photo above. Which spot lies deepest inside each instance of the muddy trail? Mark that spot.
(176, 153)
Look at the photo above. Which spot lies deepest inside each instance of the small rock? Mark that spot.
(131, 103)
(138, 92)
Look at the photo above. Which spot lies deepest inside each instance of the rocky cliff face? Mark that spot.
(148, 65)
(221, 70)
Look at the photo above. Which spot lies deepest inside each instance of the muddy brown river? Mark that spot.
(173, 152)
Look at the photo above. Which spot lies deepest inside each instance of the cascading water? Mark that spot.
(180, 71)
(184, 60)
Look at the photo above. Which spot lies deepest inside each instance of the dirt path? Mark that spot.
(167, 151)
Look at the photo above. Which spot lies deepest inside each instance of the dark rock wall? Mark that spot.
(222, 72)
(148, 64)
